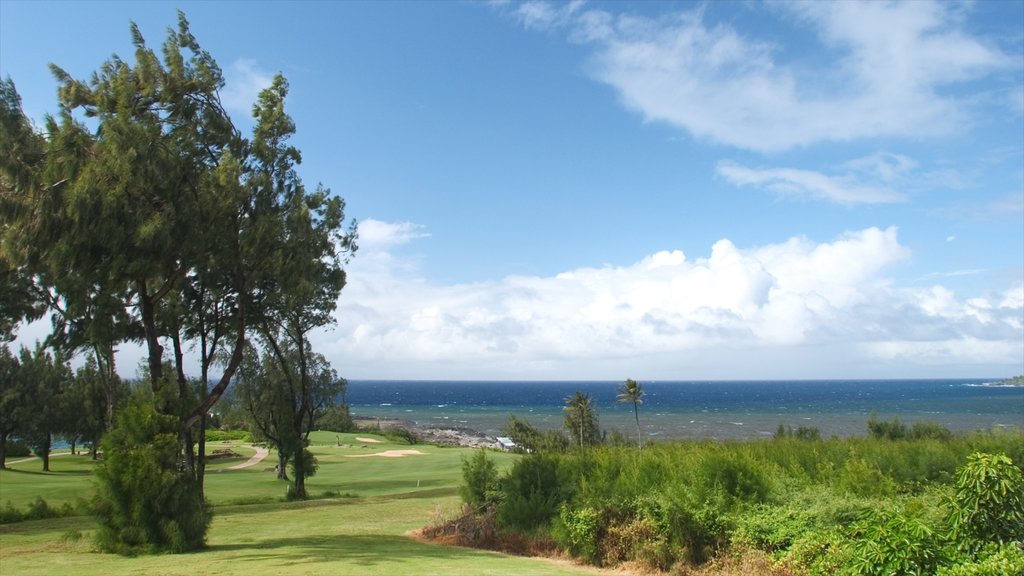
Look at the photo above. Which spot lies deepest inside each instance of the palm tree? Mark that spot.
(632, 391)
(580, 416)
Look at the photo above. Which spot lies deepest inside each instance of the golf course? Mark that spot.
(369, 494)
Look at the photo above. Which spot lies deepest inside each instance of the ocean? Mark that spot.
(698, 409)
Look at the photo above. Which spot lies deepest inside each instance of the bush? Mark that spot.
(399, 434)
(214, 435)
(895, 542)
(336, 419)
(479, 480)
(988, 505)
(993, 560)
(144, 502)
(17, 449)
(577, 531)
(532, 493)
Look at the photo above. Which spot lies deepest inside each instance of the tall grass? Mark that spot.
(800, 500)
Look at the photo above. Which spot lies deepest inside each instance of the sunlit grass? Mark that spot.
(361, 530)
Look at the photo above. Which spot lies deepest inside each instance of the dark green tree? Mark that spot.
(13, 397)
(631, 392)
(46, 378)
(275, 397)
(581, 419)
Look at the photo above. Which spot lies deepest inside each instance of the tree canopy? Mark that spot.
(141, 214)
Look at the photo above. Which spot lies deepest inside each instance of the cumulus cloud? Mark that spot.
(669, 312)
(887, 71)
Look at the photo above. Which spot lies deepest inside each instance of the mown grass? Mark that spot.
(362, 532)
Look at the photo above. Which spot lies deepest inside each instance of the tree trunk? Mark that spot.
(301, 464)
(46, 453)
(73, 442)
(282, 466)
(3, 451)
(639, 442)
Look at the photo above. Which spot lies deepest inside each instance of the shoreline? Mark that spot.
(440, 436)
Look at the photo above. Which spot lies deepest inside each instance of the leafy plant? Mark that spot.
(988, 505)
(895, 542)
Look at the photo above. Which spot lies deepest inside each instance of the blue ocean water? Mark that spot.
(698, 409)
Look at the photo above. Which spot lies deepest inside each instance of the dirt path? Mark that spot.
(31, 458)
(258, 457)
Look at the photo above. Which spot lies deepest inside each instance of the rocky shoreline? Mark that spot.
(448, 436)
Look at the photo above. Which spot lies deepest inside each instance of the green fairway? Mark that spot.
(364, 531)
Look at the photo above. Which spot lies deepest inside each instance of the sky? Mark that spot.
(611, 190)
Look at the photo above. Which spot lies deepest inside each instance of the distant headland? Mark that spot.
(1015, 381)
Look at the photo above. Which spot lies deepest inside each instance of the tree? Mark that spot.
(275, 398)
(631, 391)
(581, 419)
(12, 399)
(144, 215)
(45, 377)
(306, 272)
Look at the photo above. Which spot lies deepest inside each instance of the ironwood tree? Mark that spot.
(140, 213)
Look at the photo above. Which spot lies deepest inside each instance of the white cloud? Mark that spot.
(667, 313)
(243, 81)
(888, 69)
(792, 182)
(376, 234)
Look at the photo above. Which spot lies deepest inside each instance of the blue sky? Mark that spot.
(650, 190)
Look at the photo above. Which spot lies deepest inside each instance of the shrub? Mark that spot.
(993, 560)
(577, 531)
(862, 478)
(399, 434)
(17, 449)
(532, 493)
(144, 503)
(895, 542)
(988, 505)
(479, 480)
(214, 435)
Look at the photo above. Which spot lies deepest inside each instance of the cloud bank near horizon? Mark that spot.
(796, 308)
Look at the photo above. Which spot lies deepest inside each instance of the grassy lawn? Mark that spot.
(361, 532)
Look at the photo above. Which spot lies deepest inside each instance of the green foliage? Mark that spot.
(897, 430)
(895, 542)
(862, 478)
(214, 435)
(336, 419)
(577, 531)
(479, 480)
(801, 433)
(532, 492)
(992, 560)
(401, 435)
(39, 509)
(581, 420)
(988, 505)
(18, 449)
(144, 502)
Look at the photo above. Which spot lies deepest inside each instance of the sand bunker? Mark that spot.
(369, 440)
(389, 454)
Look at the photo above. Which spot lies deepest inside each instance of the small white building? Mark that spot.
(506, 443)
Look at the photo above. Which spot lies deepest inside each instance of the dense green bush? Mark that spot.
(532, 492)
(143, 503)
(819, 507)
(214, 435)
(989, 502)
(895, 542)
(479, 480)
